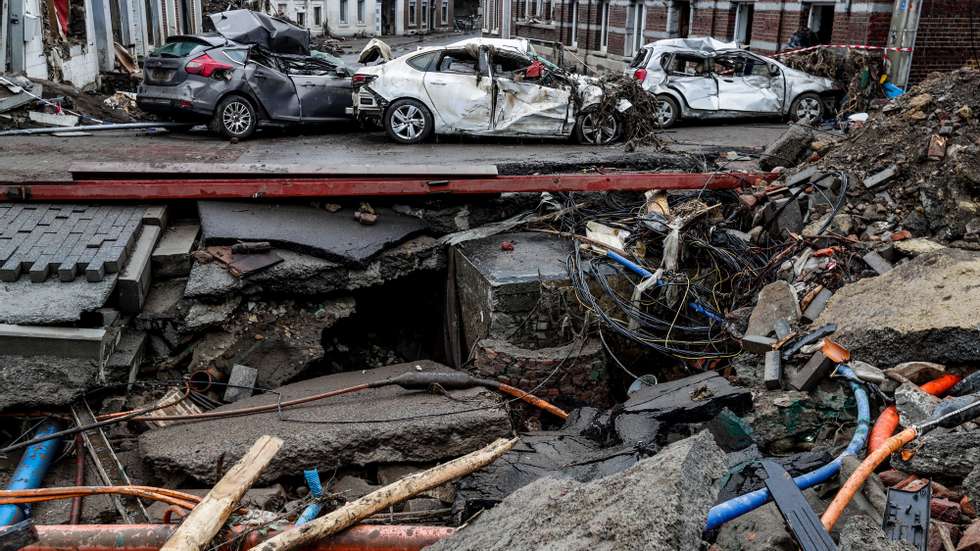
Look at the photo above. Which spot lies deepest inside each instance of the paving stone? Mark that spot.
(172, 255)
(134, 280)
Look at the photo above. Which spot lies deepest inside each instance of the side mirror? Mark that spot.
(773, 71)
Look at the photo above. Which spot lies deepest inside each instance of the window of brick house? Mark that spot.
(412, 15)
(744, 14)
(317, 16)
(604, 26)
(635, 24)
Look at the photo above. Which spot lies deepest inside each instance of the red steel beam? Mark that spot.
(150, 537)
(183, 187)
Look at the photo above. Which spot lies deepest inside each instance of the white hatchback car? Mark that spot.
(702, 78)
(482, 86)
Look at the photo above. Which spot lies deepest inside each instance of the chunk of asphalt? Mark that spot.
(336, 236)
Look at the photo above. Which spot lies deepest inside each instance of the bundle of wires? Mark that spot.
(682, 315)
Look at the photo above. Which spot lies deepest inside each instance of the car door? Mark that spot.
(689, 75)
(746, 84)
(528, 102)
(324, 92)
(460, 92)
(273, 88)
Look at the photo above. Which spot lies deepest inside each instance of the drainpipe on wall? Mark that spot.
(779, 26)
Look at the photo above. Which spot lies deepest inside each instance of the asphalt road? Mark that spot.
(38, 158)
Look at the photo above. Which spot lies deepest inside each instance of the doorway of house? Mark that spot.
(822, 22)
(682, 13)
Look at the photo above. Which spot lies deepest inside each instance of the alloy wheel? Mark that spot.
(236, 117)
(808, 109)
(665, 113)
(407, 122)
(598, 129)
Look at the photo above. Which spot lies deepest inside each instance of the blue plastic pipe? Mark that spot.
(738, 506)
(316, 489)
(31, 470)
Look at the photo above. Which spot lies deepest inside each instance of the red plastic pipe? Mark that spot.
(150, 537)
(887, 422)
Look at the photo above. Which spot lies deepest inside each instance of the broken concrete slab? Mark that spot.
(788, 148)
(918, 372)
(917, 246)
(880, 177)
(124, 363)
(569, 452)
(382, 425)
(202, 316)
(304, 275)
(877, 262)
(943, 454)
(861, 533)
(172, 255)
(134, 280)
(54, 381)
(335, 236)
(693, 399)
(53, 301)
(661, 503)
(925, 308)
(776, 301)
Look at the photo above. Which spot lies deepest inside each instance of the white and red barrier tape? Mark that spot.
(842, 47)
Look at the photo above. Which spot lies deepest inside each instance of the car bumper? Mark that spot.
(172, 100)
(365, 105)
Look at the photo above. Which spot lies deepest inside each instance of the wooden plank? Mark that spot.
(204, 522)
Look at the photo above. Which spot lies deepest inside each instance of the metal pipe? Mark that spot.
(76, 502)
(95, 128)
(183, 186)
(31, 470)
(150, 537)
(203, 379)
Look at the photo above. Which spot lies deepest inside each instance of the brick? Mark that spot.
(815, 370)
(971, 538)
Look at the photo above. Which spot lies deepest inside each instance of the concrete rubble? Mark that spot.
(643, 352)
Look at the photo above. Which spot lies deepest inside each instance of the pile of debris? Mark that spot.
(27, 103)
(858, 71)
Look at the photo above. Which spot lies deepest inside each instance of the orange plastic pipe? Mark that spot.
(150, 537)
(887, 422)
(861, 474)
(533, 400)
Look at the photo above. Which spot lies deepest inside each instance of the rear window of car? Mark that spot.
(179, 48)
(238, 56)
(422, 62)
(639, 60)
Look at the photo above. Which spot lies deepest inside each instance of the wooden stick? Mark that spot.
(380, 500)
(203, 523)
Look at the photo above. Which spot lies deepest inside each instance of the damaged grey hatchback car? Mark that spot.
(255, 70)
(704, 78)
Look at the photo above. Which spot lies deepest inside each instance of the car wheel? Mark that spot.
(407, 121)
(668, 111)
(235, 118)
(595, 128)
(806, 108)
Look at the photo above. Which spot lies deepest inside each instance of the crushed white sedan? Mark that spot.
(702, 78)
(485, 87)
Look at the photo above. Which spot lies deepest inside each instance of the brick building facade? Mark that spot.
(607, 33)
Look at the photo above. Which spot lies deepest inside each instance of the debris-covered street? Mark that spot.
(360, 276)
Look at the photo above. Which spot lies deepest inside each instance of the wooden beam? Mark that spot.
(381, 499)
(204, 522)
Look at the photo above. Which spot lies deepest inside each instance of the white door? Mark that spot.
(460, 95)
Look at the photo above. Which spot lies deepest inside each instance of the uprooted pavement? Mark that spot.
(681, 347)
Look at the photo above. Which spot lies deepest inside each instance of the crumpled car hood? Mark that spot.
(271, 33)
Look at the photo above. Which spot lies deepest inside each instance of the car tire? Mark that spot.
(668, 112)
(408, 121)
(806, 107)
(595, 128)
(235, 118)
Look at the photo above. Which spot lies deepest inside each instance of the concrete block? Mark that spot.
(172, 255)
(877, 263)
(807, 377)
(757, 344)
(240, 382)
(773, 371)
(155, 215)
(124, 363)
(134, 280)
(817, 305)
(880, 178)
(72, 342)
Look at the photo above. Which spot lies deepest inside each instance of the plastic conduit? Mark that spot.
(31, 470)
(738, 506)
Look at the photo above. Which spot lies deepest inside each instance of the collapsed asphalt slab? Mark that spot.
(52, 301)
(336, 236)
(383, 425)
(925, 308)
(661, 503)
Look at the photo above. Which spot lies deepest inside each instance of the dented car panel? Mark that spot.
(479, 86)
(713, 79)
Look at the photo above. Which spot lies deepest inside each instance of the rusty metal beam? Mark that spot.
(150, 537)
(278, 187)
